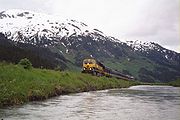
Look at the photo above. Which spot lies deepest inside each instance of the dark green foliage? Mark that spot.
(25, 63)
(39, 56)
(175, 83)
(145, 75)
(162, 74)
(57, 68)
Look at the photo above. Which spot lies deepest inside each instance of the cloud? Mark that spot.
(159, 22)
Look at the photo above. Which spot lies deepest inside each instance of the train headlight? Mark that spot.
(89, 68)
(84, 68)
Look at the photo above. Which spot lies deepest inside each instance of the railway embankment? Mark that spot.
(19, 85)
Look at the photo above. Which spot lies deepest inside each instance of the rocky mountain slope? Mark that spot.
(66, 43)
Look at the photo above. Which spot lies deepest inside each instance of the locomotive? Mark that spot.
(95, 67)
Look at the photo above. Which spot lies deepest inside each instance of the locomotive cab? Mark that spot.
(92, 66)
(89, 65)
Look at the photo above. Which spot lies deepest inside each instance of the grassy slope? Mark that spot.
(133, 66)
(18, 85)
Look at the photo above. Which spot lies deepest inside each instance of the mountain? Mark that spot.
(66, 43)
(41, 29)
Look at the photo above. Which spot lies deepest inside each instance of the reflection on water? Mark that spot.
(134, 103)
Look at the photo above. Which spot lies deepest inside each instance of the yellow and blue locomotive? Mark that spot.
(95, 67)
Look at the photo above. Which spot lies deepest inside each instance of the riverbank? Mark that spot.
(175, 83)
(19, 85)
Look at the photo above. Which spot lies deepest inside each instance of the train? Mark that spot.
(94, 67)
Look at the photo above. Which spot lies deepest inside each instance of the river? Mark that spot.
(134, 103)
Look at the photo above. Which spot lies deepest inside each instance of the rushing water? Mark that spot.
(134, 103)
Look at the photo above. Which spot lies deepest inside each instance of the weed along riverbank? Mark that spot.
(19, 85)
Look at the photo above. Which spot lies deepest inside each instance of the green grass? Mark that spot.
(175, 83)
(19, 85)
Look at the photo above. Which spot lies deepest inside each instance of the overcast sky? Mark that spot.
(145, 20)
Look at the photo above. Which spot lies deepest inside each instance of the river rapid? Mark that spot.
(134, 103)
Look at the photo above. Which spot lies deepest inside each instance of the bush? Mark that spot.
(57, 68)
(25, 63)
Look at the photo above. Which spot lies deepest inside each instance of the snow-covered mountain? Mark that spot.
(23, 26)
(65, 42)
(149, 47)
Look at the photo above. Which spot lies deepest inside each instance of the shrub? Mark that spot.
(57, 68)
(25, 63)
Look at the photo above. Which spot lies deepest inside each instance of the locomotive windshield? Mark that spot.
(90, 61)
